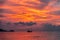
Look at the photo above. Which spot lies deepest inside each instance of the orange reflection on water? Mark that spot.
(26, 36)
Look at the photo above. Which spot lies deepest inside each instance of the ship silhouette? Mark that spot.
(29, 30)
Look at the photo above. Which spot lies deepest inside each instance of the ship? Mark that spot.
(29, 30)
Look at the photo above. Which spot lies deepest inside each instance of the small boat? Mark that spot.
(29, 30)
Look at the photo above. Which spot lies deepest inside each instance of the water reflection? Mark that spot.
(29, 36)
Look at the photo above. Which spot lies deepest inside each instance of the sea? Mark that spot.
(29, 35)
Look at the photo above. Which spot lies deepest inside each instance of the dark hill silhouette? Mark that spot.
(1, 30)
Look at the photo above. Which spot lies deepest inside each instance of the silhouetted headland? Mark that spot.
(2, 30)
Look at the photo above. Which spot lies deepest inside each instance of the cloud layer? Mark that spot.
(30, 10)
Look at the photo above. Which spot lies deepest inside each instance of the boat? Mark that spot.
(29, 30)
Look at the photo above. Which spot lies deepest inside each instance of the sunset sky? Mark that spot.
(39, 11)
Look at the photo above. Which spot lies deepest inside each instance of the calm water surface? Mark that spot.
(30, 36)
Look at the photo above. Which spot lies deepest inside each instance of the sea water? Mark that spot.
(29, 35)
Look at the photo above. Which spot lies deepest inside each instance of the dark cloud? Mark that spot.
(26, 24)
(30, 23)
(32, 3)
(37, 5)
(2, 11)
(56, 4)
(2, 16)
(42, 6)
(44, 3)
(14, 4)
(9, 11)
(58, 0)
(21, 23)
(2, 1)
(56, 20)
(55, 12)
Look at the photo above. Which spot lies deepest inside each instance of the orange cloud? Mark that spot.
(31, 10)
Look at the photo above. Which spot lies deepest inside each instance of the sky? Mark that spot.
(38, 11)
